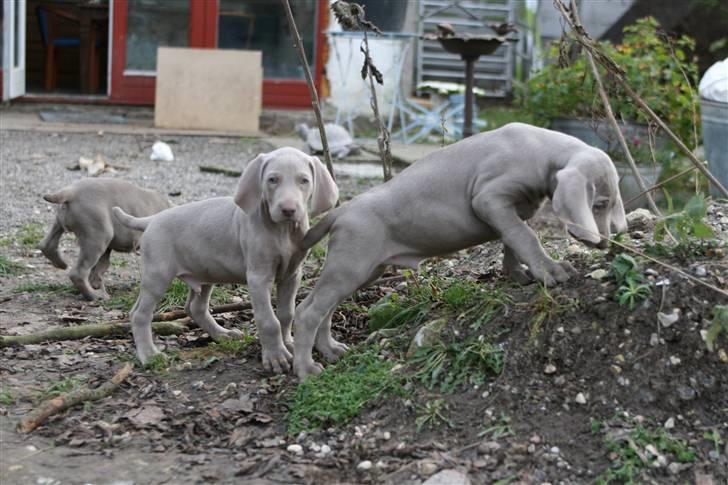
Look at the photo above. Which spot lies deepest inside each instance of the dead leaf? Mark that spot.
(147, 415)
(244, 405)
(240, 437)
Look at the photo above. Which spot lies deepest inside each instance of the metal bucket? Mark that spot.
(714, 116)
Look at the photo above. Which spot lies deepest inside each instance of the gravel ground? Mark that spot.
(34, 164)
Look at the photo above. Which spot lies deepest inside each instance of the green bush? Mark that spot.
(662, 71)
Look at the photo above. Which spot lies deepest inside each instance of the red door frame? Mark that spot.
(139, 89)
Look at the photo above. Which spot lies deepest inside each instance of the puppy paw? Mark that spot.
(306, 369)
(227, 334)
(148, 354)
(520, 276)
(277, 361)
(568, 267)
(288, 343)
(332, 350)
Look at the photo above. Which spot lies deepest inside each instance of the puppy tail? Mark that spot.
(317, 232)
(137, 223)
(59, 197)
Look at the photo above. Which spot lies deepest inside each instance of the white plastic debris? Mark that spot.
(161, 152)
(714, 84)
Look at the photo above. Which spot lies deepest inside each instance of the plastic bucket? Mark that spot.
(714, 116)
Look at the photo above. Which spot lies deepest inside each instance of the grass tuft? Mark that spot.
(43, 287)
(9, 267)
(175, 297)
(30, 235)
(342, 390)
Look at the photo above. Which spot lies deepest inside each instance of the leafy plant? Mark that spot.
(661, 70)
(632, 287)
(432, 414)
(718, 326)
(175, 297)
(458, 363)
(341, 391)
(30, 235)
(687, 223)
(498, 430)
(394, 310)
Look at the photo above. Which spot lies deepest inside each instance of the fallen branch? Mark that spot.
(221, 170)
(298, 44)
(174, 322)
(98, 330)
(582, 37)
(78, 396)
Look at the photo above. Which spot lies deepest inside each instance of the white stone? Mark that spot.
(427, 468)
(295, 449)
(364, 465)
(598, 274)
(675, 360)
(448, 477)
(669, 424)
(549, 369)
(580, 398)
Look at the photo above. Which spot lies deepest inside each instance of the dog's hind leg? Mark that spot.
(197, 307)
(97, 273)
(93, 246)
(49, 245)
(151, 291)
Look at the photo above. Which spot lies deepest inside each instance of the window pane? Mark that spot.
(151, 24)
(262, 25)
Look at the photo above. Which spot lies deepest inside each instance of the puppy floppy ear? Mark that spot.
(617, 217)
(325, 192)
(571, 205)
(249, 192)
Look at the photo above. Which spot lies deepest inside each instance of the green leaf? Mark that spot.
(701, 230)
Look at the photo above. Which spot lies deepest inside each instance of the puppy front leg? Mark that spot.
(275, 355)
(287, 290)
(519, 238)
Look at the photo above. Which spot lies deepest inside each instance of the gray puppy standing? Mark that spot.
(84, 208)
(476, 190)
(254, 237)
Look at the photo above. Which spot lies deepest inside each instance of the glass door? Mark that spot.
(14, 48)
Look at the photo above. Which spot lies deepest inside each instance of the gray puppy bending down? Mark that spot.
(84, 208)
(254, 237)
(476, 190)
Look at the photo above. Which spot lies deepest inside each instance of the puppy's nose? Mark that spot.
(288, 211)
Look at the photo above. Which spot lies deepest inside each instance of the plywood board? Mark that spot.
(208, 89)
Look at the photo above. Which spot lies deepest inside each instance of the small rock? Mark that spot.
(535, 439)
(364, 465)
(295, 449)
(598, 274)
(386, 435)
(549, 369)
(654, 340)
(427, 335)
(555, 450)
(640, 219)
(675, 468)
(669, 424)
(637, 234)
(161, 152)
(675, 360)
(325, 450)
(700, 271)
(667, 319)
(723, 356)
(448, 477)
(427, 468)
(560, 380)
(714, 455)
(489, 447)
(686, 393)
(580, 398)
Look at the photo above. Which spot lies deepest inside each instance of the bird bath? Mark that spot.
(470, 47)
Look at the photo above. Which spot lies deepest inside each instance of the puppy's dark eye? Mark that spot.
(304, 181)
(601, 205)
(273, 180)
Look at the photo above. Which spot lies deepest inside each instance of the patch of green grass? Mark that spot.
(6, 398)
(62, 386)
(159, 363)
(498, 116)
(456, 364)
(119, 261)
(44, 287)
(546, 305)
(342, 390)
(30, 235)
(634, 449)
(175, 297)
(8, 267)
(433, 414)
(499, 429)
(395, 310)
(233, 346)
(718, 325)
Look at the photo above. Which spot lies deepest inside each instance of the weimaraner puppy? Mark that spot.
(476, 190)
(84, 208)
(254, 237)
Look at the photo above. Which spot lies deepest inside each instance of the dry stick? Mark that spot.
(608, 64)
(230, 172)
(298, 44)
(100, 330)
(620, 136)
(383, 139)
(58, 404)
(660, 184)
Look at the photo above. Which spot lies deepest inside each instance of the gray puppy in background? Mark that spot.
(254, 237)
(477, 190)
(84, 208)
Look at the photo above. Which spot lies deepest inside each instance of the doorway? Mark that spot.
(66, 48)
